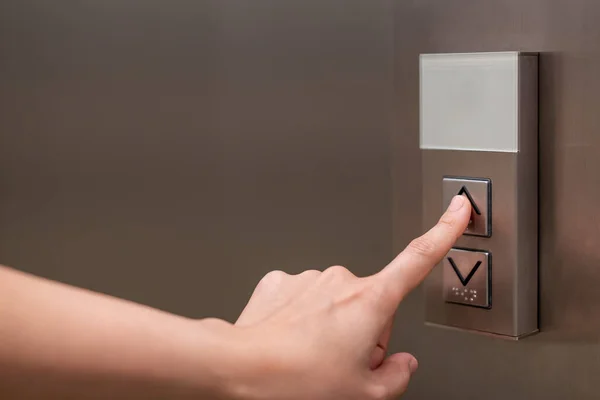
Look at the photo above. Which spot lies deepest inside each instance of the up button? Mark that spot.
(479, 193)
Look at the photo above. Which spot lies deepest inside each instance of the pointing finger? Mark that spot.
(411, 266)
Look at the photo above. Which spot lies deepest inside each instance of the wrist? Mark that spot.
(223, 360)
(240, 363)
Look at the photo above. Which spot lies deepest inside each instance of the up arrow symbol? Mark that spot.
(463, 280)
(465, 191)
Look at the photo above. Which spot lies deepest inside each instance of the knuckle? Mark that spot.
(273, 278)
(338, 271)
(310, 273)
(422, 246)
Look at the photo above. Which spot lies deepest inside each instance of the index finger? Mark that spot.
(413, 264)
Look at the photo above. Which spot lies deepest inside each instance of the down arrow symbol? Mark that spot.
(463, 280)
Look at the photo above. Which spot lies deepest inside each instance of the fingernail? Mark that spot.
(457, 203)
(413, 365)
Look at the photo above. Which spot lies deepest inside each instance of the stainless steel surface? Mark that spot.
(527, 186)
(479, 193)
(173, 152)
(466, 277)
(562, 361)
(153, 149)
(513, 211)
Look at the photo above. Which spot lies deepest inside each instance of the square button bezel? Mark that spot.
(479, 193)
(477, 290)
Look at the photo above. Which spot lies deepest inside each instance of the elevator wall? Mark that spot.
(173, 152)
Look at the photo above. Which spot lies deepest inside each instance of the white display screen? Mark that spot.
(469, 101)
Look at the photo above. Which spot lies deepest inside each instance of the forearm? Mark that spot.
(57, 341)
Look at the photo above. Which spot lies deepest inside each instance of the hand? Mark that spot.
(324, 335)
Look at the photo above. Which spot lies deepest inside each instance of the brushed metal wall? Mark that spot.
(563, 361)
(173, 152)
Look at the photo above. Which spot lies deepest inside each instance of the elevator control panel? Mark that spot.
(478, 138)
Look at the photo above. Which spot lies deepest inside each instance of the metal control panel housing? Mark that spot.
(478, 138)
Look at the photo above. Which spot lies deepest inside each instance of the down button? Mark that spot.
(466, 277)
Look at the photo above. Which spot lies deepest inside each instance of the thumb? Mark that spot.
(394, 374)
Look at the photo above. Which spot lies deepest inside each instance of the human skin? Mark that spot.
(316, 335)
